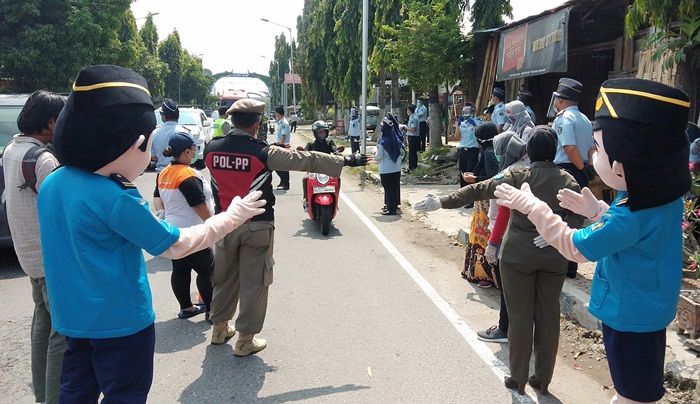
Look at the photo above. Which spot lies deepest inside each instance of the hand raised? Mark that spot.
(584, 204)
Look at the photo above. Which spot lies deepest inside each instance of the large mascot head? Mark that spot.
(107, 121)
(642, 147)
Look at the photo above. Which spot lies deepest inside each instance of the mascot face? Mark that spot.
(134, 162)
(613, 176)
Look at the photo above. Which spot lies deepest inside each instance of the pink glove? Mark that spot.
(240, 210)
(584, 204)
(519, 199)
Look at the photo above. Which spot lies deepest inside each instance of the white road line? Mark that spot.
(499, 368)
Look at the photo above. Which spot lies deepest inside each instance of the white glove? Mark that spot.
(240, 210)
(584, 204)
(519, 199)
(160, 214)
(540, 242)
(490, 253)
(429, 204)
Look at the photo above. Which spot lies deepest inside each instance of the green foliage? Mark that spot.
(417, 57)
(171, 53)
(194, 86)
(278, 67)
(149, 36)
(671, 45)
(485, 14)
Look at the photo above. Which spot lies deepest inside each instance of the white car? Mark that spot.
(196, 121)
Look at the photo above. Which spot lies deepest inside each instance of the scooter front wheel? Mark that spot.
(325, 219)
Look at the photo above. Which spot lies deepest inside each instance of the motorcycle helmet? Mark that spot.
(318, 127)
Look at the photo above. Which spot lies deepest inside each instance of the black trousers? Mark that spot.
(503, 312)
(355, 144)
(582, 181)
(293, 126)
(467, 157)
(392, 190)
(202, 262)
(284, 178)
(424, 130)
(413, 146)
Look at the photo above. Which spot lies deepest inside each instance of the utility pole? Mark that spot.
(363, 96)
(291, 62)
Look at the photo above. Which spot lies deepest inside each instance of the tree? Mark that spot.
(171, 53)
(672, 44)
(149, 35)
(194, 84)
(485, 14)
(387, 14)
(281, 61)
(418, 59)
(88, 33)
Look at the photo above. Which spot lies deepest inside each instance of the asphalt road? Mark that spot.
(373, 313)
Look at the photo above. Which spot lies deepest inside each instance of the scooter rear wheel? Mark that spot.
(325, 217)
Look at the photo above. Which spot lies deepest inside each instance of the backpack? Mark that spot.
(29, 166)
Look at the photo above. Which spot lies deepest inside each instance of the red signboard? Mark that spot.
(514, 48)
(288, 78)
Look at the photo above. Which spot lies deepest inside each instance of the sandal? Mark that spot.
(191, 313)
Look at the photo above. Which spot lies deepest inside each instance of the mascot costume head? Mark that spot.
(106, 124)
(642, 147)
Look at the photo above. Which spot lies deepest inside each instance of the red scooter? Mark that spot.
(321, 201)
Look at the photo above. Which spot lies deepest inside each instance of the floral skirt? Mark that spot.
(476, 268)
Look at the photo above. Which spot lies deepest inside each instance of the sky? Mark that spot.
(229, 35)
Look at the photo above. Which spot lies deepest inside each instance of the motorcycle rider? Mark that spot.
(320, 144)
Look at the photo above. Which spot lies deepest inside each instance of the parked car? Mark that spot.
(196, 121)
(372, 119)
(10, 107)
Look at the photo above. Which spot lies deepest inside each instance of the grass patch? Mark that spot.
(420, 172)
(439, 151)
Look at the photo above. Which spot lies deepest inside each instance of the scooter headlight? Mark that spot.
(322, 178)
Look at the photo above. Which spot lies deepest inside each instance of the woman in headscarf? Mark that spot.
(533, 275)
(476, 269)
(388, 155)
(511, 152)
(519, 121)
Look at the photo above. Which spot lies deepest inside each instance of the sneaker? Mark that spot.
(484, 284)
(222, 333)
(493, 334)
(245, 348)
(283, 187)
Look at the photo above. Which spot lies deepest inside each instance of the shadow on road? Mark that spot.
(228, 379)
(177, 335)
(158, 264)
(312, 230)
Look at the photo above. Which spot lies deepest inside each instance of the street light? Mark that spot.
(147, 15)
(291, 63)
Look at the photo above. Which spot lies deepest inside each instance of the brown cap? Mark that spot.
(247, 106)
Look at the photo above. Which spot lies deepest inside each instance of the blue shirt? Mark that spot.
(499, 116)
(638, 275)
(531, 113)
(354, 128)
(284, 135)
(161, 137)
(421, 112)
(413, 123)
(92, 241)
(573, 129)
(467, 130)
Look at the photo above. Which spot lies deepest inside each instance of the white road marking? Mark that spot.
(499, 368)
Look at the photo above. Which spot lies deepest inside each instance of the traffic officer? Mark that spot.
(239, 164)
(526, 97)
(575, 135)
(221, 125)
(468, 145)
(532, 277)
(169, 114)
(284, 139)
(354, 130)
(499, 116)
(574, 131)
(422, 115)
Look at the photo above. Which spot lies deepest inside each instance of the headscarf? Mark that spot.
(519, 118)
(542, 145)
(391, 139)
(485, 133)
(509, 149)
